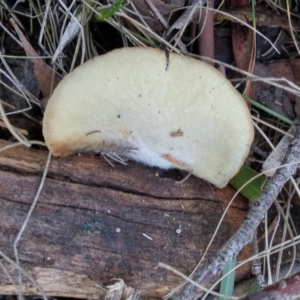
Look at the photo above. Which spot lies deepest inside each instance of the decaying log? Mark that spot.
(93, 223)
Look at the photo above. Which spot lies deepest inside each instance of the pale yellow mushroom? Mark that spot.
(133, 102)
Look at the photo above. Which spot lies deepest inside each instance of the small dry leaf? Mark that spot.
(243, 46)
(45, 75)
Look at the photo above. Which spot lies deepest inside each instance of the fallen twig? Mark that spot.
(288, 289)
(245, 233)
(206, 27)
(188, 16)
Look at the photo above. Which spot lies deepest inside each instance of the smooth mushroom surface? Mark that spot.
(175, 112)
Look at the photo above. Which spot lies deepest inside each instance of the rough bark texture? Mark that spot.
(94, 223)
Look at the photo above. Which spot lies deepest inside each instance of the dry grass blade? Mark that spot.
(20, 233)
(18, 135)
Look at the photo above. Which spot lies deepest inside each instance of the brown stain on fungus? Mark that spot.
(178, 164)
(92, 132)
(177, 133)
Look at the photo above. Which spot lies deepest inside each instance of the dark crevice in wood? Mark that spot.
(71, 240)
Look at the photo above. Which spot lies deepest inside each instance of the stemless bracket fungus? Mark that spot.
(187, 116)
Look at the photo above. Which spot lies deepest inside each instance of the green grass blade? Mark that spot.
(270, 111)
(106, 13)
(227, 283)
(254, 288)
(253, 189)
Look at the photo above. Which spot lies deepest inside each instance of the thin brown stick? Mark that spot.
(288, 289)
(245, 233)
(206, 39)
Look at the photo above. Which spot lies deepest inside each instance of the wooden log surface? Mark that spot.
(93, 223)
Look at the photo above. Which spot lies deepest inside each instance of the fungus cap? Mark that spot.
(170, 113)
